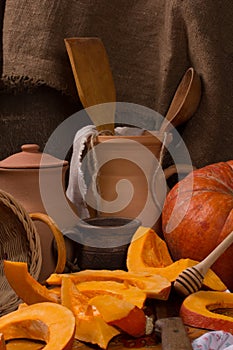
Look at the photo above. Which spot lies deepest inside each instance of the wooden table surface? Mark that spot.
(160, 309)
(116, 344)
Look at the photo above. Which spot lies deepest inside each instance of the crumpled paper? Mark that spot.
(215, 340)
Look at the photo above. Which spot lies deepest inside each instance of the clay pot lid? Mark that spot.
(30, 158)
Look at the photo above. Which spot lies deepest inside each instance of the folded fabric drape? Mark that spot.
(218, 340)
(150, 45)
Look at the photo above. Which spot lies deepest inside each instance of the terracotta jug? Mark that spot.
(130, 181)
(19, 176)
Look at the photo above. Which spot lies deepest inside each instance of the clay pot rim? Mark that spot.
(147, 136)
(120, 222)
(101, 236)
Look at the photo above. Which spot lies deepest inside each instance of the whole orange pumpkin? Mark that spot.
(198, 214)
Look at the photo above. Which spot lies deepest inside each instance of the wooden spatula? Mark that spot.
(94, 80)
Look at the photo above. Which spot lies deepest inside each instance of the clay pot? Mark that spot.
(102, 242)
(130, 180)
(19, 176)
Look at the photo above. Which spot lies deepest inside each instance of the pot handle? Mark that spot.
(58, 236)
(178, 168)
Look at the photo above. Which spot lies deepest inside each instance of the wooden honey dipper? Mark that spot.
(190, 280)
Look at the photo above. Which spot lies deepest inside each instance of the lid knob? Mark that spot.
(30, 147)
(31, 158)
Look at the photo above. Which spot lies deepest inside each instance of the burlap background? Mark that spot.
(150, 45)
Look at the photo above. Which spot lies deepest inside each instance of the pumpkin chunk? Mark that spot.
(94, 330)
(160, 262)
(90, 327)
(168, 269)
(25, 344)
(126, 316)
(200, 310)
(131, 294)
(73, 299)
(153, 285)
(49, 322)
(171, 272)
(147, 249)
(91, 289)
(25, 286)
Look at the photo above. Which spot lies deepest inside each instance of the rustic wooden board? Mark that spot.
(114, 345)
(120, 343)
(161, 309)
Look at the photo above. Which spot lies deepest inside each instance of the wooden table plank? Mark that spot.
(161, 309)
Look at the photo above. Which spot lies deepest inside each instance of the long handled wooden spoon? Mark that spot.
(94, 80)
(184, 102)
(190, 280)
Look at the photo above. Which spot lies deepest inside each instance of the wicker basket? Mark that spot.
(19, 241)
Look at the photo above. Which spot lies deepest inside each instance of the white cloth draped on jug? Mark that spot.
(82, 173)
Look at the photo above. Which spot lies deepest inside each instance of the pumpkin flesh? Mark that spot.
(25, 286)
(142, 241)
(126, 316)
(211, 280)
(49, 322)
(147, 249)
(90, 327)
(93, 329)
(24, 344)
(197, 310)
(153, 285)
(73, 299)
(131, 294)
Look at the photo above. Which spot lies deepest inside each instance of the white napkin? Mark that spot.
(77, 187)
(215, 340)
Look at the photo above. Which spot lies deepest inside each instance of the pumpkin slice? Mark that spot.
(49, 322)
(94, 330)
(89, 327)
(73, 299)
(92, 288)
(154, 285)
(2, 342)
(25, 344)
(25, 286)
(201, 310)
(131, 294)
(147, 252)
(171, 272)
(22, 306)
(126, 316)
(147, 249)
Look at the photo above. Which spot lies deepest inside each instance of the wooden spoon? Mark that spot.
(190, 280)
(184, 102)
(94, 80)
